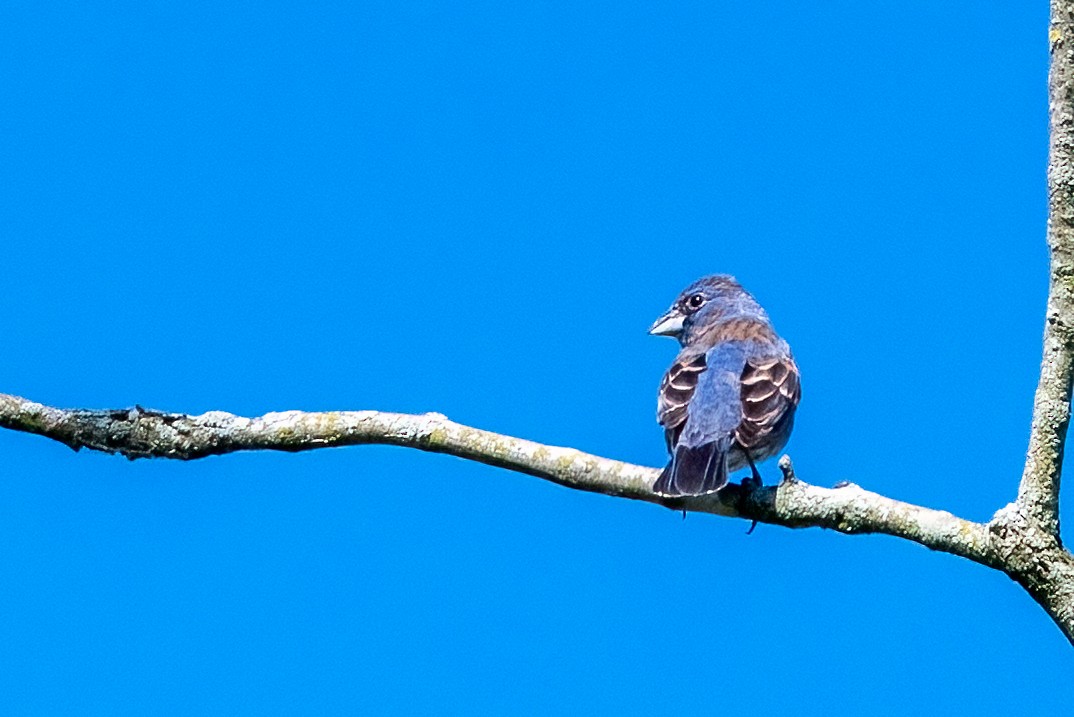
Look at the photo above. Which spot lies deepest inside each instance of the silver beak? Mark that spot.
(670, 324)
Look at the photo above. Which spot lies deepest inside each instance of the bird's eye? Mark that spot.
(695, 301)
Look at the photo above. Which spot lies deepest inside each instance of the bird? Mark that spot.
(728, 400)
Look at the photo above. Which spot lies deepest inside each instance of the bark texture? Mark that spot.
(1022, 539)
(1038, 494)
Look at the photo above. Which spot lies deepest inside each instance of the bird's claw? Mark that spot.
(752, 483)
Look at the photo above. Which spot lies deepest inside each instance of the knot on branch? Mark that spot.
(787, 467)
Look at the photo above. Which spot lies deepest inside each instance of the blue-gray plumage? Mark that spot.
(728, 401)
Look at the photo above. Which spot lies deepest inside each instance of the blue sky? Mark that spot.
(478, 209)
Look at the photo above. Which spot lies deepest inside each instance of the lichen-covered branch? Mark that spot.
(850, 509)
(142, 433)
(1038, 494)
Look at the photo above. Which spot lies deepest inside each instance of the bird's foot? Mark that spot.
(753, 482)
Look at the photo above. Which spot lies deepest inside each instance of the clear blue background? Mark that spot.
(478, 208)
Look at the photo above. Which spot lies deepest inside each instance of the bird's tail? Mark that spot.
(694, 470)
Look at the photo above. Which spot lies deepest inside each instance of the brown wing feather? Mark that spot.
(676, 390)
(770, 390)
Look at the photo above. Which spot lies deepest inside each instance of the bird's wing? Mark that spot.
(700, 407)
(705, 396)
(770, 393)
(676, 390)
(715, 408)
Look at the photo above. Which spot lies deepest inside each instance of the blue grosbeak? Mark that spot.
(728, 401)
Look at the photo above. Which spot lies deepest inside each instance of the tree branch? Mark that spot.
(141, 433)
(1038, 493)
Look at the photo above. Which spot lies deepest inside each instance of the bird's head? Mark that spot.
(706, 301)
